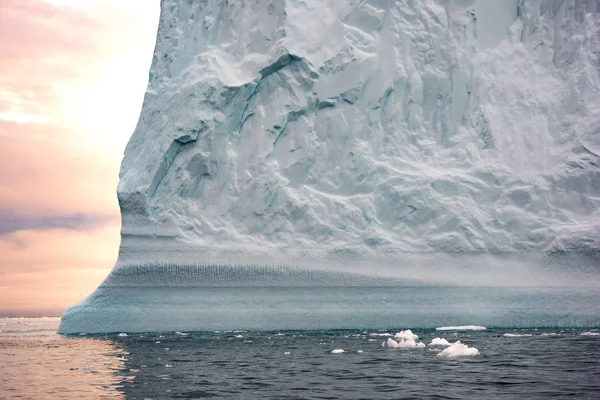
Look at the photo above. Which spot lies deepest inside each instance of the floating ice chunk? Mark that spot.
(517, 334)
(168, 365)
(439, 342)
(411, 344)
(122, 334)
(239, 336)
(461, 328)
(337, 351)
(458, 349)
(359, 351)
(403, 344)
(287, 352)
(590, 333)
(181, 334)
(380, 334)
(407, 334)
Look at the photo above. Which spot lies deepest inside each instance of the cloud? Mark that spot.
(44, 271)
(76, 63)
(76, 222)
(72, 78)
(41, 178)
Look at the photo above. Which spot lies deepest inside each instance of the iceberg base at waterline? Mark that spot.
(222, 297)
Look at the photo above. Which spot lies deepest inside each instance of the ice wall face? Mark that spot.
(375, 128)
(376, 133)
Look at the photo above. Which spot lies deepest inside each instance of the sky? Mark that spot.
(72, 80)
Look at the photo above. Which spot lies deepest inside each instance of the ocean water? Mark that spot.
(36, 363)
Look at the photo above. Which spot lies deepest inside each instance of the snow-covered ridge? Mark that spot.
(373, 129)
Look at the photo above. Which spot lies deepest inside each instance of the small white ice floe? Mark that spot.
(590, 333)
(458, 349)
(168, 365)
(239, 337)
(517, 334)
(122, 334)
(439, 342)
(403, 344)
(461, 328)
(287, 352)
(407, 334)
(181, 334)
(359, 351)
(337, 351)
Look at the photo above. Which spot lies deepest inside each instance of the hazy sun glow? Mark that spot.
(72, 79)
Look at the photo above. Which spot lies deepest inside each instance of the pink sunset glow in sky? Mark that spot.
(72, 80)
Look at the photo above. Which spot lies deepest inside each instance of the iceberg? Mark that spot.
(341, 164)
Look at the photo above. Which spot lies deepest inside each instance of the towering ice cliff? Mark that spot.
(376, 141)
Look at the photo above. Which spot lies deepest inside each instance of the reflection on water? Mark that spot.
(529, 363)
(36, 363)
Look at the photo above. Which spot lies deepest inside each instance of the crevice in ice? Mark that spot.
(245, 117)
(282, 62)
(174, 149)
(292, 116)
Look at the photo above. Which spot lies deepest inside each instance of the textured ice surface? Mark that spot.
(458, 349)
(439, 342)
(461, 328)
(406, 335)
(352, 144)
(405, 340)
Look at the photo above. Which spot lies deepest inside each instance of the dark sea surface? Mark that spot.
(36, 363)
